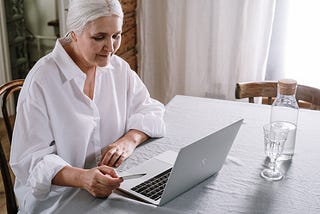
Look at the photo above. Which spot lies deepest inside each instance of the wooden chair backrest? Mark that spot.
(6, 90)
(307, 97)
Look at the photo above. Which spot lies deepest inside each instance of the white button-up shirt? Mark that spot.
(58, 125)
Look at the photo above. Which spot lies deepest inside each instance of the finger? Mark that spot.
(106, 170)
(110, 183)
(98, 186)
(120, 160)
(104, 181)
(115, 158)
(106, 185)
(114, 183)
(107, 155)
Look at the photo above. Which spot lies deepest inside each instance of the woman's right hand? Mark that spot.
(100, 181)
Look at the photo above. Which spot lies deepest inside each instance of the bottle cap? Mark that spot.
(287, 86)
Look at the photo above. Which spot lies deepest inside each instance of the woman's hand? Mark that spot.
(101, 181)
(117, 152)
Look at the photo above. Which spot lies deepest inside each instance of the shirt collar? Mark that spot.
(67, 66)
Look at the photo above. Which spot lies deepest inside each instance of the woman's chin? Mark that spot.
(103, 63)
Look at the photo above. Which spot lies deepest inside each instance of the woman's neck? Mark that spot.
(89, 83)
(90, 71)
(69, 48)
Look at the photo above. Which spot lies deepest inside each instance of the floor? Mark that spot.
(5, 143)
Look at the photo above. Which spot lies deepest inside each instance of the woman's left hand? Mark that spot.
(117, 152)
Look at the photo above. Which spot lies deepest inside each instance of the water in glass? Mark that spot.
(275, 135)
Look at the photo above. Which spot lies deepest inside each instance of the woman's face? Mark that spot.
(99, 40)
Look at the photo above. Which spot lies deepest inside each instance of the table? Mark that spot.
(237, 188)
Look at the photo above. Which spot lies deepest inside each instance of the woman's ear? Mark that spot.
(73, 36)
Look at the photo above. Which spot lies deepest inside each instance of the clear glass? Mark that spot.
(275, 136)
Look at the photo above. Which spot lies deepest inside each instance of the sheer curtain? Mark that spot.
(5, 74)
(295, 44)
(202, 47)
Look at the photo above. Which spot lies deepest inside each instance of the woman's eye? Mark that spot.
(98, 38)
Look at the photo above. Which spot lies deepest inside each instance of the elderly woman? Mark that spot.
(81, 111)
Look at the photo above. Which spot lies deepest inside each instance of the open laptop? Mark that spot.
(170, 173)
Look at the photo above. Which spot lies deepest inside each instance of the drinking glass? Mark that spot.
(275, 135)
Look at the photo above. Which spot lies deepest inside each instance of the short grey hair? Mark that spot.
(81, 12)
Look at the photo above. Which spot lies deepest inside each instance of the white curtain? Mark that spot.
(295, 43)
(202, 47)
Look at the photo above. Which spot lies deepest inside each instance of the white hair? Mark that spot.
(81, 12)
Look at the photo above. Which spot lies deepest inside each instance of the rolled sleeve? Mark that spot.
(146, 114)
(151, 124)
(42, 174)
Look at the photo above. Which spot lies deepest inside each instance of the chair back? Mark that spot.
(307, 97)
(265, 89)
(7, 89)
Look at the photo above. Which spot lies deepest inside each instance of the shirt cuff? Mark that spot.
(151, 125)
(40, 178)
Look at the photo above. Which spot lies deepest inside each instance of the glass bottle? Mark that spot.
(285, 109)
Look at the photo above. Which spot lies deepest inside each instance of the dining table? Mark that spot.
(238, 186)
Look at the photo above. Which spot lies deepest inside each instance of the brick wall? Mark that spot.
(128, 49)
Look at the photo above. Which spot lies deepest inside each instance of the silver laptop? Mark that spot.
(170, 173)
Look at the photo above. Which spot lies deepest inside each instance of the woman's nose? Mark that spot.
(108, 46)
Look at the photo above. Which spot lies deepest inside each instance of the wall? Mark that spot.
(39, 12)
(128, 50)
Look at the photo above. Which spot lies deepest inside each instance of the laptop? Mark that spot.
(169, 174)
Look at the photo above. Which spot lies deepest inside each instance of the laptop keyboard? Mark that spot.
(153, 188)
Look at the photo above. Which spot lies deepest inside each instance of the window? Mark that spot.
(295, 42)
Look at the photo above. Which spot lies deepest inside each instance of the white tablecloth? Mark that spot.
(238, 187)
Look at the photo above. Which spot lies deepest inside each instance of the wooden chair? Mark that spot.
(7, 89)
(307, 97)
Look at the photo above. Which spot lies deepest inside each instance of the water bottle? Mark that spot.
(285, 110)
